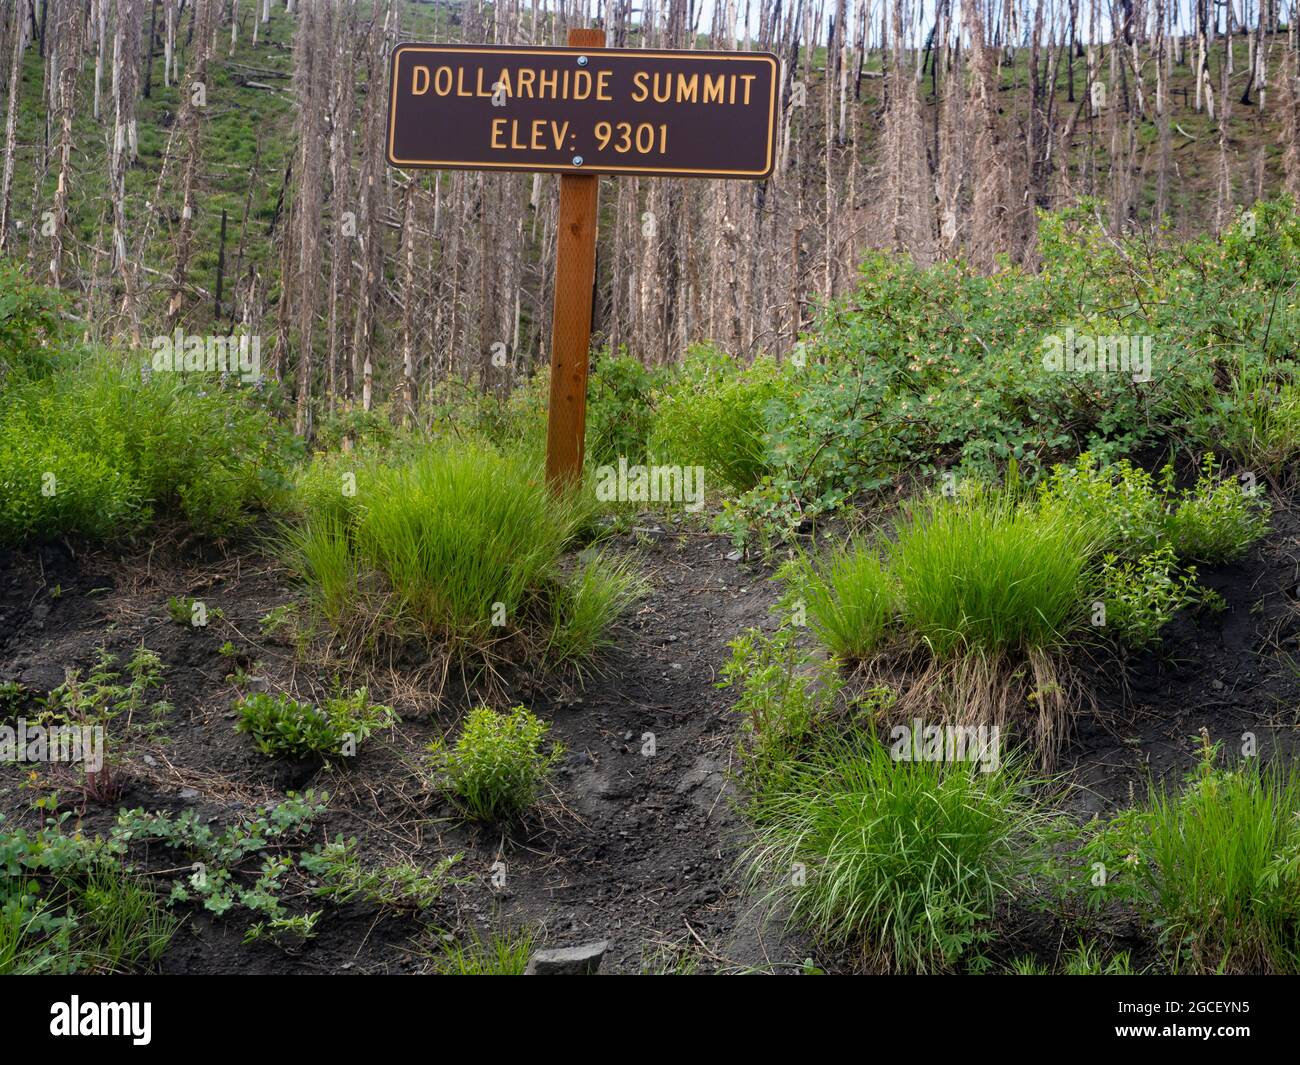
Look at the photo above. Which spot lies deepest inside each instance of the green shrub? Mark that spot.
(620, 408)
(1218, 520)
(282, 727)
(97, 450)
(1216, 866)
(1141, 596)
(31, 332)
(69, 905)
(902, 861)
(496, 767)
(714, 415)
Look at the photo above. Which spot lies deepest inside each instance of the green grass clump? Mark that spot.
(497, 767)
(903, 862)
(980, 573)
(282, 727)
(850, 601)
(503, 953)
(1215, 866)
(714, 416)
(462, 546)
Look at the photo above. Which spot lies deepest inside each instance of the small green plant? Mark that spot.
(1140, 597)
(402, 886)
(1216, 866)
(497, 766)
(901, 862)
(500, 953)
(783, 696)
(1218, 520)
(1117, 505)
(282, 727)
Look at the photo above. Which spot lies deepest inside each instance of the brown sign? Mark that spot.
(584, 110)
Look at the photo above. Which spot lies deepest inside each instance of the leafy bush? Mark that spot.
(496, 766)
(282, 727)
(1117, 505)
(903, 861)
(1141, 596)
(31, 332)
(620, 408)
(714, 416)
(1218, 520)
(95, 450)
(1216, 866)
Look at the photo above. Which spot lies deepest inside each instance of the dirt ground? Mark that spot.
(638, 842)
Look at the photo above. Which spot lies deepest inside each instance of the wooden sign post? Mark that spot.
(581, 111)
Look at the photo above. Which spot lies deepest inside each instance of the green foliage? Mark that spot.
(96, 450)
(945, 367)
(782, 698)
(1117, 505)
(282, 727)
(223, 874)
(1084, 960)
(503, 953)
(902, 861)
(496, 767)
(587, 604)
(981, 573)
(1216, 866)
(31, 332)
(459, 545)
(620, 408)
(68, 905)
(1218, 520)
(714, 415)
(1141, 596)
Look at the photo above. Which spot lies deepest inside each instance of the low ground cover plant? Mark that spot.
(282, 727)
(67, 905)
(497, 766)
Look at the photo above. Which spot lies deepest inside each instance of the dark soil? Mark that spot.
(634, 847)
